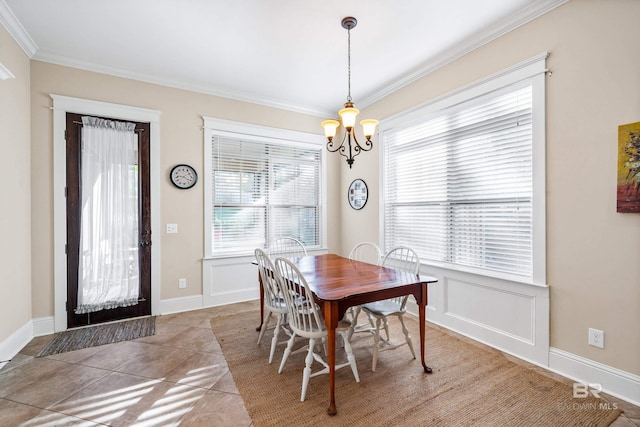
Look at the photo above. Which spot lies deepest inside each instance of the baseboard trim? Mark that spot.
(618, 383)
(15, 342)
(43, 326)
(177, 305)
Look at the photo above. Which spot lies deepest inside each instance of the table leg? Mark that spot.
(422, 304)
(331, 320)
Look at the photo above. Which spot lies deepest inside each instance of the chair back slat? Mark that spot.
(267, 273)
(405, 259)
(366, 252)
(287, 247)
(304, 316)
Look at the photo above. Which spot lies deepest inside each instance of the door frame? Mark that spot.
(61, 106)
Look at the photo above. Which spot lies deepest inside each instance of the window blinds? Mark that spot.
(458, 184)
(262, 191)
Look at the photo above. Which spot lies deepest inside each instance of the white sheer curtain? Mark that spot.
(108, 269)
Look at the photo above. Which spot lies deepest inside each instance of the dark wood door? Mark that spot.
(74, 216)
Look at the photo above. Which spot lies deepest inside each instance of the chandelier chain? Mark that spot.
(349, 63)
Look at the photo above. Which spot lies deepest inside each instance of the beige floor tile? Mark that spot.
(13, 413)
(29, 373)
(218, 409)
(226, 384)
(201, 370)
(18, 414)
(47, 390)
(164, 332)
(193, 338)
(156, 361)
(127, 400)
(188, 318)
(76, 355)
(212, 347)
(37, 344)
(113, 356)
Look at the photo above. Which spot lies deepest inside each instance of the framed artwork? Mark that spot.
(629, 168)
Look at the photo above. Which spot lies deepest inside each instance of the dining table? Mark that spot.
(338, 283)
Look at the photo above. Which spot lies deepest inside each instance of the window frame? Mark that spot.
(256, 133)
(533, 69)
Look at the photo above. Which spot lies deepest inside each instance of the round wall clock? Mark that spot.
(358, 194)
(183, 176)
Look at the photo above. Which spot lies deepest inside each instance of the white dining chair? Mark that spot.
(274, 302)
(287, 247)
(306, 321)
(366, 252)
(370, 253)
(401, 258)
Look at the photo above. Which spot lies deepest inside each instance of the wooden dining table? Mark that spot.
(338, 283)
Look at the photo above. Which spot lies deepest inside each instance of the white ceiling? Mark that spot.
(286, 53)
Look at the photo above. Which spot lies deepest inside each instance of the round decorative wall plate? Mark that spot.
(358, 194)
(183, 176)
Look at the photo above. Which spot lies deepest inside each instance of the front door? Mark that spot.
(141, 251)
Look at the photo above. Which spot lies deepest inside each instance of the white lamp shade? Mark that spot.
(348, 116)
(330, 127)
(368, 127)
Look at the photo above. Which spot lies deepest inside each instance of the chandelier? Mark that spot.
(348, 115)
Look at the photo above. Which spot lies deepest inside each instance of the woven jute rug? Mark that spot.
(106, 333)
(471, 384)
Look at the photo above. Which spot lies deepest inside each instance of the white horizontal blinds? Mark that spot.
(294, 194)
(458, 184)
(262, 190)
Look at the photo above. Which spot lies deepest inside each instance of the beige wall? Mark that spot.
(181, 139)
(15, 216)
(593, 252)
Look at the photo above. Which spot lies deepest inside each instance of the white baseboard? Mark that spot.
(43, 326)
(177, 305)
(615, 382)
(15, 342)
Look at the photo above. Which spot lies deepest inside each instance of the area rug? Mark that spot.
(105, 333)
(471, 384)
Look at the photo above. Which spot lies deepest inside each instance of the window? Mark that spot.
(460, 184)
(262, 184)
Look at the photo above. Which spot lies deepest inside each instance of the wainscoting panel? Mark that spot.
(229, 280)
(490, 308)
(510, 316)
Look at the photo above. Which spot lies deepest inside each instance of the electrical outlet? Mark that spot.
(172, 228)
(596, 338)
(182, 283)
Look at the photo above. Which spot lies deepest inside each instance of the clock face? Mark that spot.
(183, 176)
(358, 194)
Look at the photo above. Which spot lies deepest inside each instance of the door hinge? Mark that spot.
(65, 248)
(66, 305)
(65, 134)
(65, 191)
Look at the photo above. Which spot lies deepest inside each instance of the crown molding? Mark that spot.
(466, 46)
(51, 58)
(16, 30)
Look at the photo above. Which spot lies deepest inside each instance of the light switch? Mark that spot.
(172, 228)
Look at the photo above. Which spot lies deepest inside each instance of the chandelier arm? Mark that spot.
(332, 147)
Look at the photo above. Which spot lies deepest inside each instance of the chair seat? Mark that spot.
(383, 308)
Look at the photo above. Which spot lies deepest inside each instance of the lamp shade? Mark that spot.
(368, 127)
(348, 116)
(330, 127)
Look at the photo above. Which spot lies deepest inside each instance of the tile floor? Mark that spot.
(177, 377)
